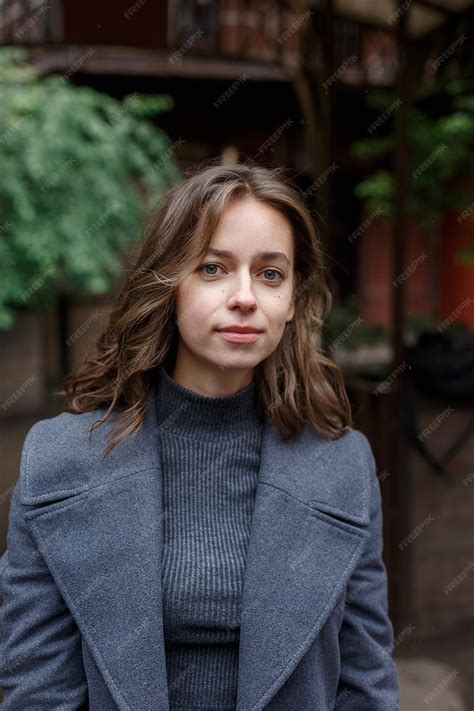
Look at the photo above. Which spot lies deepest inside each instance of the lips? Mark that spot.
(245, 338)
(240, 329)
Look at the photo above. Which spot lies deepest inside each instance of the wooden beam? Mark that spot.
(134, 61)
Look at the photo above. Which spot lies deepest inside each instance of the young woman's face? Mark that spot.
(243, 287)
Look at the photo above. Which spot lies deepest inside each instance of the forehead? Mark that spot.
(249, 227)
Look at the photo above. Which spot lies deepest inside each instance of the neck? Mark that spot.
(191, 413)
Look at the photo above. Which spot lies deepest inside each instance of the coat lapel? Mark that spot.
(103, 545)
(303, 548)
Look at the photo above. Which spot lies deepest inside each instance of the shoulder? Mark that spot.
(336, 475)
(54, 455)
(350, 455)
(354, 449)
(354, 442)
(350, 441)
(348, 480)
(61, 456)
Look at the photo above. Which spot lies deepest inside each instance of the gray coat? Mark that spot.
(81, 624)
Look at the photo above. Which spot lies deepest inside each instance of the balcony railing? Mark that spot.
(30, 21)
(271, 33)
(250, 29)
(260, 30)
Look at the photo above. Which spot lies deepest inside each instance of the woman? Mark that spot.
(214, 539)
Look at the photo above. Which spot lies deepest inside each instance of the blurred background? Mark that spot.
(370, 107)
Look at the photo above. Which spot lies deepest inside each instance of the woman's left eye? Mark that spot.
(205, 266)
(275, 271)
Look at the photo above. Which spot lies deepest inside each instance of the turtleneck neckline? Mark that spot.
(188, 413)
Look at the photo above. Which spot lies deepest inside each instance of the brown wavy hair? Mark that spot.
(297, 384)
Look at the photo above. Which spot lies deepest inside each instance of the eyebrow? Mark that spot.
(258, 255)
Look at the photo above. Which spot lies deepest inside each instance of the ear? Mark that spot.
(292, 312)
(297, 281)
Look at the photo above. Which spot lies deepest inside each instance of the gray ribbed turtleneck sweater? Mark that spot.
(210, 457)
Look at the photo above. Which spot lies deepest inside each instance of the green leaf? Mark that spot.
(79, 170)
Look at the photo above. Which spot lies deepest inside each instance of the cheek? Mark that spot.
(186, 299)
(277, 308)
(192, 307)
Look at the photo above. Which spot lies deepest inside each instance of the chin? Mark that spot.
(237, 362)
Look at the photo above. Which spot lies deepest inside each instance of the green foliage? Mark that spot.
(441, 150)
(345, 328)
(80, 170)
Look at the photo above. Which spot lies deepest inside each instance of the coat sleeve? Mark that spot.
(41, 664)
(368, 676)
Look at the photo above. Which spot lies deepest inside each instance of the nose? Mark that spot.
(242, 295)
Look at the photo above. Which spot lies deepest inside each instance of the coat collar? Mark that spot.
(101, 536)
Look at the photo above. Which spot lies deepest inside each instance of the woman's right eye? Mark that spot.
(204, 266)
